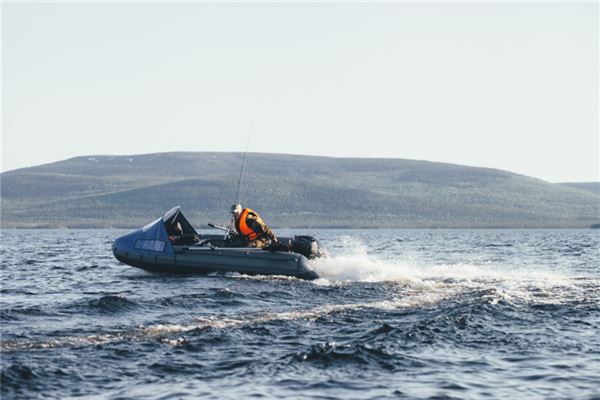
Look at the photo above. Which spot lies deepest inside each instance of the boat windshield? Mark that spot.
(177, 219)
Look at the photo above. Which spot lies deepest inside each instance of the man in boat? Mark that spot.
(251, 228)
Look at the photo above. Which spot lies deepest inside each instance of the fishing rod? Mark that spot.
(239, 186)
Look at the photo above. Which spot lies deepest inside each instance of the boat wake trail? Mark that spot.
(167, 333)
(517, 282)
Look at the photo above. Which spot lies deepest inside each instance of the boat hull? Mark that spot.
(187, 260)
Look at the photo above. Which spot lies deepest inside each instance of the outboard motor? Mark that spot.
(308, 246)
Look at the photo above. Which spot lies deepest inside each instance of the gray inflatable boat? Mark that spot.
(160, 247)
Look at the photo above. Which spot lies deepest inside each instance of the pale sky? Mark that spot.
(508, 85)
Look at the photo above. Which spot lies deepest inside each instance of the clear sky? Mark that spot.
(503, 85)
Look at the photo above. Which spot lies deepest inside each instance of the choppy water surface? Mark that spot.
(398, 313)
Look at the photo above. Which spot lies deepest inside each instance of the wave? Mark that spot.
(109, 304)
(451, 300)
(332, 353)
(159, 331)
(112, 304)
(17, 312)
(15, 375)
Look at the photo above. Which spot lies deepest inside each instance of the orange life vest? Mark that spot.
(243, 227)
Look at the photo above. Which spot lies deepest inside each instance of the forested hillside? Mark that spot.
(288, 191)
(593, 187)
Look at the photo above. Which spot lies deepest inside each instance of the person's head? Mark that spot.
(236, 210)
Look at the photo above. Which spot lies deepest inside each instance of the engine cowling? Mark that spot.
(308, 246)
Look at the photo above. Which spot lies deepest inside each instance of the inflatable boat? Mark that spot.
(171, 244)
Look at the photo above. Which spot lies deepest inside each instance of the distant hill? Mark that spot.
(589, 186)
(288, 191)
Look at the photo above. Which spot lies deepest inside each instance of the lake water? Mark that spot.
(425, 314)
